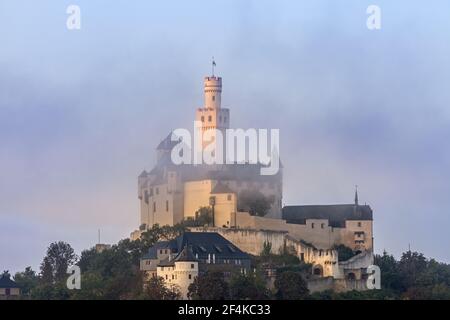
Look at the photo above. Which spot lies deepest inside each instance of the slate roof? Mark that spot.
(335, 214)
(6, 282)
(167, 143)
(204, 243)
(152, 252)
(197, 245)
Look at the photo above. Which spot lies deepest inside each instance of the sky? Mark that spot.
(81, 111)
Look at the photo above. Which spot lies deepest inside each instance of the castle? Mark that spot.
(173, 193)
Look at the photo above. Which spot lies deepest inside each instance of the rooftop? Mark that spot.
(336, 214)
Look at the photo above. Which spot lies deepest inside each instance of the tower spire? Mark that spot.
(356, 195)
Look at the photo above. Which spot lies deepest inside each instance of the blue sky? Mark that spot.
(81, 111)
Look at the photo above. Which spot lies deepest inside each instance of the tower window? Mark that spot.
(209, 118)
(192, 266)
(229, 197)
(203, 119)
(359, 224)
(213, 98)
(312, 225)
(190, 277)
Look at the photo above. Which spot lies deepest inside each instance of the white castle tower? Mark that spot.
(212, 115)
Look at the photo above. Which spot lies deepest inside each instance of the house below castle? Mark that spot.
(181, 260)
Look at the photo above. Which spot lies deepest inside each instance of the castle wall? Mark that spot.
(315, 231)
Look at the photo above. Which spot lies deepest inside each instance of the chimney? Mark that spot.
(214, 258)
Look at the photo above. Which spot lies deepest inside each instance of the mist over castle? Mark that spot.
(234, 200)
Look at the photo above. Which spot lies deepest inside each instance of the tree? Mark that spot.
(155, 289)
(27, 280)
(411, 266)
(60, 256)
(391, 278)
(254, 202)
(209, 286)
(248, 286)
(290, 285)
(203, 216)
(267, 249)
(344, 252)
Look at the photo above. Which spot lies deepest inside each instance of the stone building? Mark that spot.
(181, 260)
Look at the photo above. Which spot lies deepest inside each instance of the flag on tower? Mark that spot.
(213, 65)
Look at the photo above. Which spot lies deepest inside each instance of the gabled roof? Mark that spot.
(152, 252)
(197, 245)
(6, 282)
(335, 214)
(186, 255)
(143, 174)
(167, 143)
(209, 243)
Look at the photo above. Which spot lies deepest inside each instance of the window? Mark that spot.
(312, 225)
(359, 224)
(192, 266)
(166, 277)
(229, 197)
(7, 291)
(154, 206)
(190, 277)
(322, 225)
(209, 118)
(203, 119)
(165, 251)
(173, 277)
(213, 98)
(167, 205)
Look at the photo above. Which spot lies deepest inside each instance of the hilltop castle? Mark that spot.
(171, 194)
